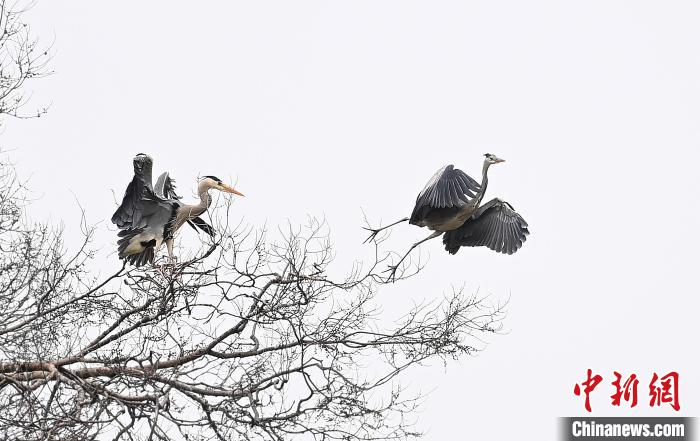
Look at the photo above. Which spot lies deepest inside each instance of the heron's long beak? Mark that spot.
(497, 160)
(228, 189)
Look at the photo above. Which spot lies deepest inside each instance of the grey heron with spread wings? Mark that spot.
(450, 205)
(149, 216)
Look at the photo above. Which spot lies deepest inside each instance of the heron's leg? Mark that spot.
(376, 231)
(169, 244)
(393, 268)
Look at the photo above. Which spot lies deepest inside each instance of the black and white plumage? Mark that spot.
(145, 218)
(149, 216)
(138, 244)
(450, 205)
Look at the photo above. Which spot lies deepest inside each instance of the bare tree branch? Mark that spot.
(249, 338)
(22, 60)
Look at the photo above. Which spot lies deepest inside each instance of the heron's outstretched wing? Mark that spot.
(127, 215)
(449, 187)
(165, 187)
(198, 222)
(495, 225)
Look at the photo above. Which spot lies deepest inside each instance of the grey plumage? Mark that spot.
(127, 214)
(449, 187)
(149, 216)
(495, 225)
(450, 203)
(165, 187)
(450, 206)
(145, 218)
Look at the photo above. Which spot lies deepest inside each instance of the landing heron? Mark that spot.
(450, 205)
(149, 216)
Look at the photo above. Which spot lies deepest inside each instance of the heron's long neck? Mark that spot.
(204, 199)
(484, 180)
(187, 212)
(195, 210)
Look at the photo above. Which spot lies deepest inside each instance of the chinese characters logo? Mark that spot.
(662, 390)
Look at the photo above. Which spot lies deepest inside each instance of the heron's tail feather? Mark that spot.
(135, 253)
(142, 258)
(452, 240)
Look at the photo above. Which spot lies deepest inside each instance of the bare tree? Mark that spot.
(250, 338)
(22, 59)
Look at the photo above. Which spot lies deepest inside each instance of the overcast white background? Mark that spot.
(328, 108)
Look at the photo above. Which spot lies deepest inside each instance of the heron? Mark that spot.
(149, 216)
(450, 206)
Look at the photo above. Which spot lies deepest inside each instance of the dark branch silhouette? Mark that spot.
(22, 59)
(248, 338)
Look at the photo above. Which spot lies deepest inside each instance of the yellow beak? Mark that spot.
(228, 189)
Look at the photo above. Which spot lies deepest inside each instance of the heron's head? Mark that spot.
(493, 159)
(214, 183)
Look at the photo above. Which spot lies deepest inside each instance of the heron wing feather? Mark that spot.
(127, 216)
(449, 187)
(165, 187)
(495, 225)
(145, 209)
(200, 223)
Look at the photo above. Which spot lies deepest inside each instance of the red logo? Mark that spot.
(662, 390)
(667, 393)
(588, 386)
(626, 391)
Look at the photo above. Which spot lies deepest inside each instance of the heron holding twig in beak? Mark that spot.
(149, 216)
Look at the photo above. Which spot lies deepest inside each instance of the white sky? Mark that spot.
(329, 107)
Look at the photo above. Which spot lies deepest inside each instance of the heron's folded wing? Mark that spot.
(449, 187)
(165, 187)
(198, 222)
(495, 225)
